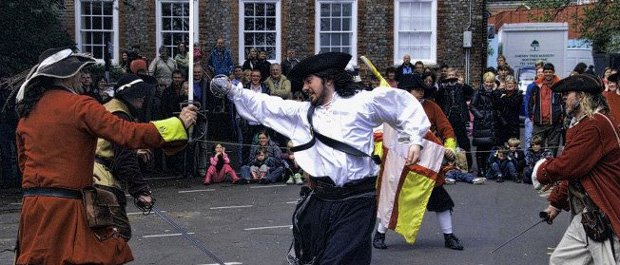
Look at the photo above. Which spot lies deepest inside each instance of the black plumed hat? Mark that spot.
(131, 86)
(413, 82)
(583, 83)
(315, 64)
(55, 63)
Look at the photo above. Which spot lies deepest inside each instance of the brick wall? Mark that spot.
(219, 16)
(375, 33)
(70, 17)
(137, 26)
(452, 21)
(375, 29)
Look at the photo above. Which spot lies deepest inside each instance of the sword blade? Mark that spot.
(197, 244)
(517, 236)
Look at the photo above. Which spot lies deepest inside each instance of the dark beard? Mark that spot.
(320, 98)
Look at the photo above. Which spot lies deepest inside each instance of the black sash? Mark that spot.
(340, 146)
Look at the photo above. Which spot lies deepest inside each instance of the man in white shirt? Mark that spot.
(333, 223)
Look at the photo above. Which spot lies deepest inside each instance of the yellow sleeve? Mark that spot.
(171, 129)
(378, 150)
(450, 144)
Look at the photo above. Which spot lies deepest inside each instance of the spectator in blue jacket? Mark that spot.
(526, 102)
(221, 62)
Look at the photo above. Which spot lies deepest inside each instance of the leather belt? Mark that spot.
(53, 192)
(325, 188)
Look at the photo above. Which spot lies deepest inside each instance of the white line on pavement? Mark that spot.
(166, 235)
(16, 203)
(140, 213)
(268, 227)
(225, 263)
(231, 207)
(267, 186)
(190, 191)
(292, 202)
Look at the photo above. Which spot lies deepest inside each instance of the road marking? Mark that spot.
(267, 186)
(140, 213)
(190, 191)
(16, 203)
(166, 235)
(292, 202)
(231, 207)
(268, 227)
(225, 263)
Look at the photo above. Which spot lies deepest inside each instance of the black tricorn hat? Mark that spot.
(131, 86)
(56, 63)
(411, 82)
(583, 83)
(315, 64)
(613, 78)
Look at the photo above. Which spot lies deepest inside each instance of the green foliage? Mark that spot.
(27, 28)
(98, 70)
(600, 24)
(597, 23)
(549, 9)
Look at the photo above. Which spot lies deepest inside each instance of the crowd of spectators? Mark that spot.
(486, 120)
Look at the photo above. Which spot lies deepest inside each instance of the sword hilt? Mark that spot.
(546, 217)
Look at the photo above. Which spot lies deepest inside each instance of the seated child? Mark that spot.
(536, 153)
(292, 166)
(453, 174)
(220, 166)
(501, 166)
(516, 156)
(260, 168)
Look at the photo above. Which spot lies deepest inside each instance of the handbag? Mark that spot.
(596, 225)
(97, 203)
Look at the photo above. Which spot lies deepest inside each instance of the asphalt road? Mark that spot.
(250, 224)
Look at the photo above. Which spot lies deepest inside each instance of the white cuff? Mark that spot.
(535, 182)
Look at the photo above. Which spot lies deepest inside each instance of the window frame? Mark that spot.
(278, 44)
(398, 58)
(115, 32)
(354, 30)
(159, 24)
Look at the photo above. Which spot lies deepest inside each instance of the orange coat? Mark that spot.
(56, 148)
(439, 121)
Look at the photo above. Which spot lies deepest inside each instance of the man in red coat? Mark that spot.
(589, 182)
(56, 141)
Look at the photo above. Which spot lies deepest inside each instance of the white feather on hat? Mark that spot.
(57, 63)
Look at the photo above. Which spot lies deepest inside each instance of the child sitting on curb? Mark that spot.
(220, 166)
(501, 166)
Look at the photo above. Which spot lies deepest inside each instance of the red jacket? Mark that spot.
(56, 148)
(598, 171)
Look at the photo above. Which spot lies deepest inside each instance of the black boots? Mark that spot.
(450, 242)
(379, 241)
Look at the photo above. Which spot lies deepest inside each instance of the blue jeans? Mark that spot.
(460, 176)
(273, 175)
(502, 169)
(528, 135)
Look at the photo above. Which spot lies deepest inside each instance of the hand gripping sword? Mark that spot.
(545, 218)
